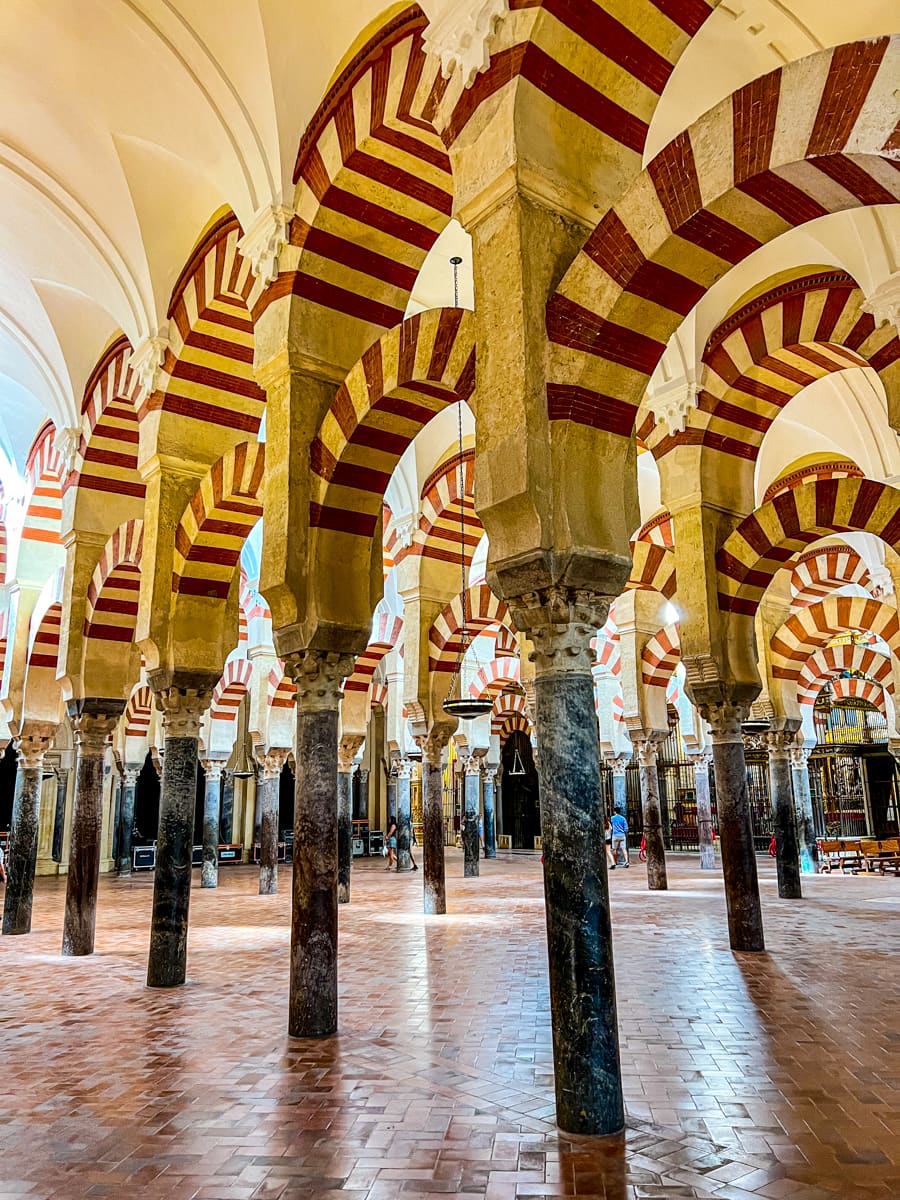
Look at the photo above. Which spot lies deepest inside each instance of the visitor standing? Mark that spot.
(619, 838)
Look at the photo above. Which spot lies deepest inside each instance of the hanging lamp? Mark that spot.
(518, 767)
(465, 708)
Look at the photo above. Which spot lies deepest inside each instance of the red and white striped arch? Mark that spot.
(760, 357)
(660, 656)
(652, 568)
(813, 137)
(208, 371)
(860, 689)
(217, 522)
(378, 697)
(775, 533)
(282, 693)
(814, 626)
(115, 587)
(374, 183)
(384, 638)
(231, 690)
(833, 660)
(448, 498)
(411, 373)
(505, 643)
(107, 455)
(43, 474)
(43, 640)
(821, 571)
(494, 677)
(510, 713)
(138, 711)
(828, 468)
(482, 609)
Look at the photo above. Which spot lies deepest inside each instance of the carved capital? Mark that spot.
(725, 720)
(318, 676)
(473, 765)
(701, 762)
(264, 241)
(647, 749)
(33, 743)
(92, 733)
(147, 360)
(271, 761)
(182, 710)
(618, 766)
(673, 401)
(433, 744)
(213, 768)
(404, 768)
(348, 746)
(560, 622)
(780, 743)
(130, 775)
(800, 756)
(459, 34)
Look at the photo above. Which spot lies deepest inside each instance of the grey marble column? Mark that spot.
(313, 1003)
(212, 792)
(657, 879)
(434, 895)
(488, 777)
(619, 766)
(182, 704)
(226, 818)
(362, 780)
(59, 816)
(391, 795)
(704, 811)
(787, 851)
(118, 788)
(404, 814)
(803, 811)
(745, 927)
(348, 746)
(126, 817)
(31, 746)
(269, 795)
(92, 723)
(560, 622)
(471, 816)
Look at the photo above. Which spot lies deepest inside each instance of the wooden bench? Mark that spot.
(881, 856)
(838, 854)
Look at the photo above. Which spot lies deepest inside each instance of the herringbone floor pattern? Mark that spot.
(746, 1076)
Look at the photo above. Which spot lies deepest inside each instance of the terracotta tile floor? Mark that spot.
(772, 1076)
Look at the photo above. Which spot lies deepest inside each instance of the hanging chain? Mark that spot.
(463, 590)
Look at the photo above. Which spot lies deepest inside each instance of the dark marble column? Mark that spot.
(126, 817)
(434, 896)
(226, 819)
(620, 789)
(269, 796)
(471, 816)
(182, 706)
(118, 787)
(704, 811)
(487, 796)
(404, 814)
(561, 622)
(803, 811)
(657, 880)
(21, 858)
(787, 850)
(745, 927)
(391, 795)
(209, 872)
(92, 723)
(362, 776)
(59, 816)
(347, 749)
(312, 1008)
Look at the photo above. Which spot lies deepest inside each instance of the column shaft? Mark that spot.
(490, 832)
(657, 879)
(91, 733)
(226, 820)
(167, 966)
(126, 821)
(269, 792)
(704, 815)
(745, 927)
(620, 791)
(345, 832)
(435, 889)
(806, 829)
(787, 854)
(314, 924)
(22, 856)
(404, 818)
(579, 932)
(471, 816)
(59, 816)
(209, 872)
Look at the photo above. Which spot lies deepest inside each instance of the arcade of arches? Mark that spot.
(537, 353)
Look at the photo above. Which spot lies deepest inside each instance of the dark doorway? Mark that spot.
(520, 793)
(882, 794)
(7, 786)
(146, 805)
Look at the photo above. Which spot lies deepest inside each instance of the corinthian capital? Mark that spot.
(33, 743)
(560, 622)
(433, 744)
(318, 676)
(272, 761)
(725, 720)
(92, 732)
(182, 709)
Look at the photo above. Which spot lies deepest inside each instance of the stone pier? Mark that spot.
(31, 746)
(348, 748)
(212, 793)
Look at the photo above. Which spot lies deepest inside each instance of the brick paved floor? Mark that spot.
(746, 1076)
